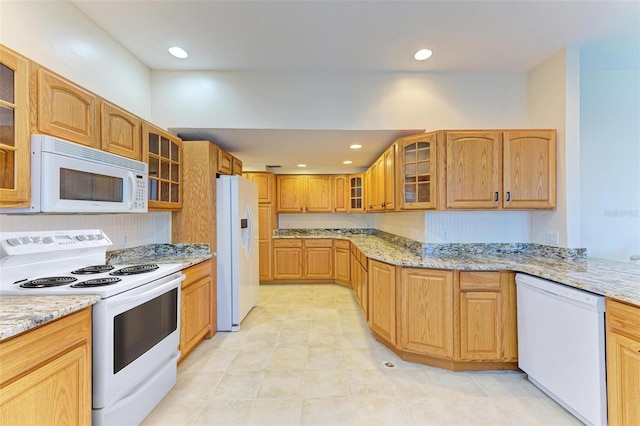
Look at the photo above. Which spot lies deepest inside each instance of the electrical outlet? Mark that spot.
(445, 235)
(553, 237)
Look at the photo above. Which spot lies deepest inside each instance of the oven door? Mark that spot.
(135, 335)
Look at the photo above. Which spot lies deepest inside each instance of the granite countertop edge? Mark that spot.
(21, 313)
(616, 280)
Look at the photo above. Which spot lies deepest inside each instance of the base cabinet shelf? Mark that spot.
(198, 307)
(45, 377)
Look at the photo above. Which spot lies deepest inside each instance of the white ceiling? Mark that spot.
(357, 35)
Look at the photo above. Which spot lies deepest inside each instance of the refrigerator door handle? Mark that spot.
(250, 230)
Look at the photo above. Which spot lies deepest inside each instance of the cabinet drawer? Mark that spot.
(623, 319)
(294, 242)
(342, 244)
(196, 272)
(480, 281)
(318, 243)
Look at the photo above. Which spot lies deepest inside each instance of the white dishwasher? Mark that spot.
(561, 345)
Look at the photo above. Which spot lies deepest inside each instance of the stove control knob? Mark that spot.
(81, 238)
(47, 240)
(36, 240)
(99, 237)
(90, 237)
(25, 240)
(13, 242)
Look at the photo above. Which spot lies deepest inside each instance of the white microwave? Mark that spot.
(71, 178)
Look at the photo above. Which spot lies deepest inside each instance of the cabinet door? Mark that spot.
(290, 193)
(287, 259)
(480, 337)
(341, 193)
(265, 222)
(529, 164)
(417, 172)
(382, 299)
(356, 193)
(15, 160)
(265, 183)
(474, 169)
(236, 166)
(390, 178)
(225, 162)
(426, 320)
(318, 194)
(342, 262)
(66, 110)
(623, 363)
(163, 153)
(196, 307)
(318, 259)
(120, 132)
(377, 183)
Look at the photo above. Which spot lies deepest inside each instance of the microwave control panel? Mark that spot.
(140, 201)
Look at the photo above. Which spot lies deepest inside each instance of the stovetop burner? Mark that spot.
(97, 282)
(48, 282)
(95, 269)
(136, 269)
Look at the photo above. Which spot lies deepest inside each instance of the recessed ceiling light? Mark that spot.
(302, 165)
(355, 146)
(347, 162)
(423, 54)
(178, 52)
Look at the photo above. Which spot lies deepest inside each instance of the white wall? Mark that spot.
(57, 35)
(477, 227)
(610, 149)
(554, 103)
(327, 220)
(125, 230)
(363, 101)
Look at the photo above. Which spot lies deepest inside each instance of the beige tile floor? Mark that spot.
(305, 356)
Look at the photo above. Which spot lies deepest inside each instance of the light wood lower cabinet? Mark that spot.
(309, 259)
(342, 261)
(426, 312)
(359, 280)
(198, 307)
(45, 377)
(623, 363)
(382, 300)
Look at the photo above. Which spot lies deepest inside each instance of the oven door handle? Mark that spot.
(155, 291)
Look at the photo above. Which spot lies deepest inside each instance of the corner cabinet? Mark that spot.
(304, 193)
(120, 132)
(382, 300)
(623, 363)
(198, 315)
(66, 110)
(163, 153)
(342, 261)
(45, 377)
(15, 160)
(417, 172)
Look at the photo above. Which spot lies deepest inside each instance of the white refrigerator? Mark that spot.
(237, 251)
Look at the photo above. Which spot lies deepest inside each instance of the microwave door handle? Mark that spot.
(132, 190)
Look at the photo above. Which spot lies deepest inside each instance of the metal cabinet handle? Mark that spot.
(496, 196)
(508, 196)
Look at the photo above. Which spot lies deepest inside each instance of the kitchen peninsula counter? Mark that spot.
(185, 253)
(22, 313)
(617, 280)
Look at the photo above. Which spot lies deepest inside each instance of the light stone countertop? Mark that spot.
(22, 313)
(617, 280)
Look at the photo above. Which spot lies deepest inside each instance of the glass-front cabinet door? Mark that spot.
(417, 164)
(356, 193)
(14, 129)
(162, 151)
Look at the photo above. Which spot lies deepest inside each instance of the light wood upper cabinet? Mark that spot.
(356, 193)
(390, 178)
(163, 153)
(67, 111)
(15, 161)
(198, 309)
(45, 377)
(426, 312)
(266, 185)
(382, 300)
(340, 193)
(120, 132)
(225, 162)
(623, 363)
(529, 164)
(304, 193)
(417, 171)
(474, 169)
(236, 166)
(382, 187)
